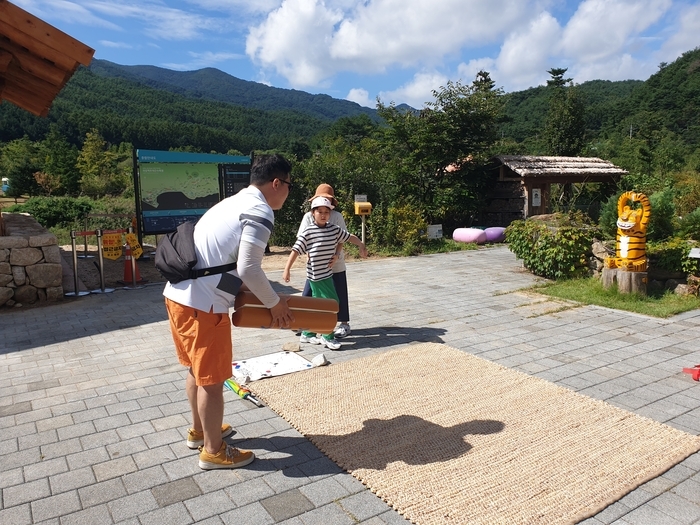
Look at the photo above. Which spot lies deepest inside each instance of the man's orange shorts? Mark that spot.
(203, 342)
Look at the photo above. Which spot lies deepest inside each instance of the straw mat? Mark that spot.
(446, 437)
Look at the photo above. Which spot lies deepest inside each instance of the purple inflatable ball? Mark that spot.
(469, 235)
(495, 234)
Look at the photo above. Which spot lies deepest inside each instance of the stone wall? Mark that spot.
(30, 262)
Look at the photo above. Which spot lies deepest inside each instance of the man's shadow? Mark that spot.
(406, 438)
(383, 336)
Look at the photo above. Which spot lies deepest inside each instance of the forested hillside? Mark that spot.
(526, 110)
(125, 111)
(213, 84)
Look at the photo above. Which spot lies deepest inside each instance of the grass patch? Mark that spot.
(591, 291)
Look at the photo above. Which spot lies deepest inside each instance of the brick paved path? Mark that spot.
(93, 413)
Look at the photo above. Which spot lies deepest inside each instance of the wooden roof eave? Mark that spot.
(36, 59)
(578, 178)
(42, 39)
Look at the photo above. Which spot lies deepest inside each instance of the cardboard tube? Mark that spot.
(310, 313)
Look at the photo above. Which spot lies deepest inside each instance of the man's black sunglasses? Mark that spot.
(287, 183)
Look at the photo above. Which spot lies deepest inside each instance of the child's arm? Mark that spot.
(354, 239)
(336, 255)
(288, 267)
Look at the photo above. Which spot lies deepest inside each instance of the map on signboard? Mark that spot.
(181, 186)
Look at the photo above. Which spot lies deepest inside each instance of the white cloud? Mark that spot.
(309, 41)
(200, 60)
(617, 67)
(685, 36)
(116, 45)
(161, 22)
(65, 11)
(293, 40)
(602, 28)
(416, 92)
(526, 54)
(467, 72)
(236, 6)
(361, 97)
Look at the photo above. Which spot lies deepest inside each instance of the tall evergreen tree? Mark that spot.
(58, 159)
(98, 168)
(19, 160)
(565, 127)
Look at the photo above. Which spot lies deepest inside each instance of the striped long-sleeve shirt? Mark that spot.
(319, 243)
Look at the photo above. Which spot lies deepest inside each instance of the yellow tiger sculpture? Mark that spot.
(631, 245)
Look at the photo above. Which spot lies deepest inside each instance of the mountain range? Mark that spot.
(215, 85)
(208, 110)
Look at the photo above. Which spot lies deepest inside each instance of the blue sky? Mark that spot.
(397, 50)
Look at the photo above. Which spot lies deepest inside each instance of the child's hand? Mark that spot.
(285, 276)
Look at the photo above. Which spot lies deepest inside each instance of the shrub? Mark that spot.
(557, 251)
(608, 217)
(690, 225)
(663, 215)
(672, 255)
(406, 227)
(55, 211)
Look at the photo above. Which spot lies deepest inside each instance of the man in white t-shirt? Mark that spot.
(236, 229)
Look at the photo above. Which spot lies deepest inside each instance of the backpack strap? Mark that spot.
(194, 274)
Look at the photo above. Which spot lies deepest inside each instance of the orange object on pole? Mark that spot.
(128, 273)
(694, 372)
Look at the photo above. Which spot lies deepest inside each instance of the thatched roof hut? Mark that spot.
(562, 170)
(523, 184)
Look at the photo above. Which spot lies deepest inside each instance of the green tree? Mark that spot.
(435, 154)
(19, 160)
(565, 127)
(58, 159)
(98, 168)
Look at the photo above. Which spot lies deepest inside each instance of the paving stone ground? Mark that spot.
(93, 412)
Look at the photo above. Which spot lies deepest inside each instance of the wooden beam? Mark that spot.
(39, 31)
(32, 64)
(42, 88)
(41, 50)
(5, 59)
(25, 100)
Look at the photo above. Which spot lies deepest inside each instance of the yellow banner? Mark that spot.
(112, 246)
(132, 240)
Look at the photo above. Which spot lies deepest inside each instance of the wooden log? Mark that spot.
(310, 313)
(632, 282)
(609, 277)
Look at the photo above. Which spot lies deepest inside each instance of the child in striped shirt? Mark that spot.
(320, 241)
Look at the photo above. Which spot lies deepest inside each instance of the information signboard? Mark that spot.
(174, 187)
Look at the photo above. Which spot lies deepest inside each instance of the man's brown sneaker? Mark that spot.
(227, 457)
(196, 439)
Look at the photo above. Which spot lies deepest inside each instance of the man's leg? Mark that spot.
(203, 344)
(210, 407)
(191, 387)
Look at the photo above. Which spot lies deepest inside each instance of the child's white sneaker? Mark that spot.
(342, 331)
(314, 340)
(331, 344)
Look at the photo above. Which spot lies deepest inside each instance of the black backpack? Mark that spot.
(176, 256)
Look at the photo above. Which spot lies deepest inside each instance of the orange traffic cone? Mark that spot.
(128, 275)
